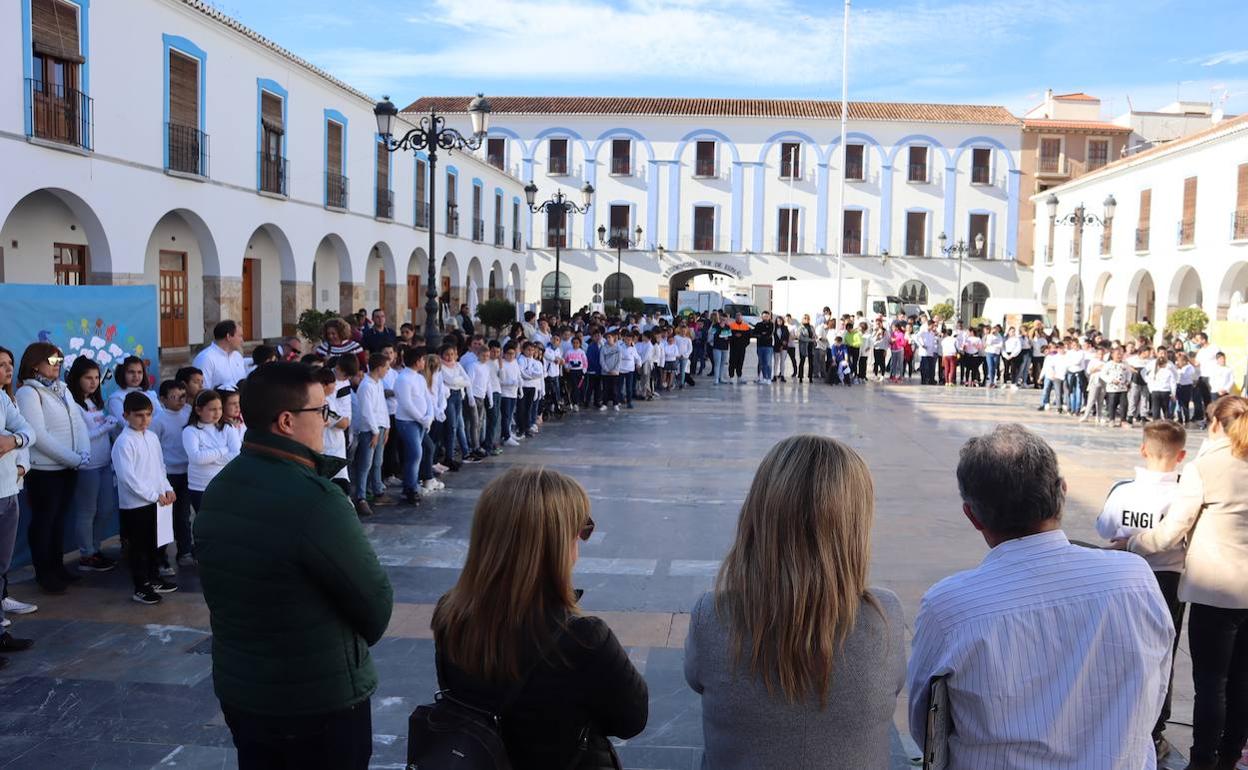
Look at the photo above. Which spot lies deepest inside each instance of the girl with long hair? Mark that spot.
(131, 376)
(437, 394)
(512, 619)
(797, 661)
(62, 445)
(210, 443)
(15, 435)
(95, 497)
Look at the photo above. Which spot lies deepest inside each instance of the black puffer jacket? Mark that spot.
(596, 682)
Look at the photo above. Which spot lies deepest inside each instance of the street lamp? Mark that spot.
(961, 250)
(1079, 218)
(559, 202)
(618, 241)
(431, 133)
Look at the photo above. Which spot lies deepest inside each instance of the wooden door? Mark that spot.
(381, 294)
(172, 290)
(413, 300)
(250, 288)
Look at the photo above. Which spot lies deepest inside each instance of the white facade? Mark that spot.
(121, 201)
(1171, 256)
(661, 188)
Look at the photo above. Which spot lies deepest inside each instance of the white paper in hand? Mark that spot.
(164, 524)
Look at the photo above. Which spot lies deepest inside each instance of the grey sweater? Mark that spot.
(743, 727)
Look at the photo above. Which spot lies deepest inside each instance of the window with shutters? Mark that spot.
(619, 216)
(498, 219)
(423, 216)
(385, 196)
(704, 163)
(59, 111)
(1240, 230)
(452, 204)
(69, 264)
(621, 157)
(1050, 161)
(556, 228)
(1141, 228)
(335, 179)
(918, 164)
(516, 238)
(704, 228)
(1098, 153)
(978, 228)
(558, 161)
(855, 167)
(1187, 227)
(496, 152)
(272, 133)
(787, 230)
(790, 160)
(187, 145)
(478, 222)
(916, 233)
(981, 165)
(851, 241)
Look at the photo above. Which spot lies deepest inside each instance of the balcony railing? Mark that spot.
(452, 221)
(915, 248)
(704, 240)
(496, 161)
(851, 244)
(517, 240)
(558, 165)
(1141, 239)
(704, 167)
(981, 175)
(1239, 227)
(274, 170)
(621, 166)
(1187, 233)
(790, 170)
(500, 236)
(1095, 163)
(918, 172)
(556, 238)
(60, 114)
(385, 203)
(1049, 165)
(423, 215)
(188, 149)
(854, 170)
(335, 190)
(478, 230)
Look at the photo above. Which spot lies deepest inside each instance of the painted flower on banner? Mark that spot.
(99, 343)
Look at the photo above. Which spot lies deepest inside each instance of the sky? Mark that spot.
(1006, 52)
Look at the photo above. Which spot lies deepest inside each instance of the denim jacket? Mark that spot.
(12, 423)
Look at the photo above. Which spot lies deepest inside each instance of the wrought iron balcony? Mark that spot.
(478, 230)
(918, 172)
(188, 149)
(1239, 229)
(500, 235)
(60, 114)
(704, 167)
(385, 203)
(854, 170)
(423, 215)
(517, 240)
(1141, 239)
(1187, 233)
(274, 170)
(981, 175)
(620, 166)
(335, 190)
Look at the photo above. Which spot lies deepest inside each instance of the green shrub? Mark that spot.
(632, 305)
(1145, 330)
(312, 321)
(981, 321)
(942, 311)
(496, 313)
(1187, 321)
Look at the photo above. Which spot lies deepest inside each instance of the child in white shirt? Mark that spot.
(142, 485)
(346, 371)
(509, 393)
(368, 421)
(629, 361)
(209, 444)
(95, 494)
(131, 376)
(167, 424)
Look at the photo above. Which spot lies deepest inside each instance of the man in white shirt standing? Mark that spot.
(1206, 359)
(222, 362)
(1055, 656)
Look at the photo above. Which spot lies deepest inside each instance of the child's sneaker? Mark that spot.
(96, 562)
(186, 560)
(164, 587)
(168, 570)
(512, 441)
(146, 595)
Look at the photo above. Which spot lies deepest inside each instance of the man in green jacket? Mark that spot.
(295, 591)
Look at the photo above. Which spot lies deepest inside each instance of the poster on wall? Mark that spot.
(103, 323)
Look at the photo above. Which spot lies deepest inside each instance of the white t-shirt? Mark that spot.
(948, 346)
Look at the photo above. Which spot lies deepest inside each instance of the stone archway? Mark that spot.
(332, 282)
(53, 236)
(417, 284)
(1185, 290)
(474, 286)
(497, 281)
(182, 261)
(1102, 316)
(1141, 301)
(380, 277)
(974, 296)
(681, 280)
(515, 285)
(450, 281)
(268, 279)
(1048, 298)
(1233, 294)
(1070, 303)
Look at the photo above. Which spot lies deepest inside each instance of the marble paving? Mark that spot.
(112, 684)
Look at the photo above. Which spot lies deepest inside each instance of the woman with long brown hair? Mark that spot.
(1210, 513)
(512, 620)
(797, 661)
(16, 437)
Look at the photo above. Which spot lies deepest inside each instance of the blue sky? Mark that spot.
(974, 51)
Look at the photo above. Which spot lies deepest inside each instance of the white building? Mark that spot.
(1178, 237)
(750, 189)
(159, 141)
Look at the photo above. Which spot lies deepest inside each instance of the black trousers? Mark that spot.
(1218, 639)
(1204, 397)
(736, 359)
(138, 530)
(1159, 402)
(342, 740)
(1117, 406)
(878, 369)
(51, 496)
(391, 463)
(182, 533)
(1168, 582)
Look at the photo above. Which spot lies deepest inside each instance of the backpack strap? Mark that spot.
(513, 692)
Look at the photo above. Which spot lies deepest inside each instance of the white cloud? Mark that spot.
(1225, 57)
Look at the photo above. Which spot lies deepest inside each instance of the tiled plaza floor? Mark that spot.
(112, 684)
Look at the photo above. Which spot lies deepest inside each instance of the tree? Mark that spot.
(942, 311)
(1187, 321)
(633, 305)
(496, 313)
(1146, 330)
(312, 321)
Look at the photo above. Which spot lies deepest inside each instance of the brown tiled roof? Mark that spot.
(737, 108)
(1195, 138)
(1093, 126)
(1078, 96)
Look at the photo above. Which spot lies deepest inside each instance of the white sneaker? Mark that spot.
(437, 484)
(15, 607)
(511, 442)
(602, 408)
(617, 407)
(440, 468)
(5, 623)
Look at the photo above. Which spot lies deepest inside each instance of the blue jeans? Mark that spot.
(1024, 368)
(682, 366)
(720, 363)
(994, 363)
(1074, 391)
(362, 464)
(95, 505)
(375, 484)
(1055, 386)
(626, 388)
(455, 431)
(765, 354)
(412, 434)
(509, 413)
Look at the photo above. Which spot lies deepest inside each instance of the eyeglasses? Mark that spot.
(323, 409)
(587, 530)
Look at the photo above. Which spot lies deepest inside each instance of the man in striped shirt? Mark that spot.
(1055, 656)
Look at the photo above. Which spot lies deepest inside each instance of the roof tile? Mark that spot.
(1075, 125)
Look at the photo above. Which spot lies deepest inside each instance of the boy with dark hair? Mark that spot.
(193, 379)
(167, 425)
(1140, 504)
(369, 419)
(263, 354)
(142, 485)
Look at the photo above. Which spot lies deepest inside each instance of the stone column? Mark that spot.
(223, 299)
(390, 303)
(296, 298)
(350, 297)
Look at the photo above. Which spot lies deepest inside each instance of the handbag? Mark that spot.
(594, 751)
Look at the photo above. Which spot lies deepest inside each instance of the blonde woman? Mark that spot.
(435, 405)
(512, 620)
(798, 663)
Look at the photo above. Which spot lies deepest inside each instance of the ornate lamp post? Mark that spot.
(1078, 219)
(961, 250)
(618, 241)
(559, 202)
(430, 134)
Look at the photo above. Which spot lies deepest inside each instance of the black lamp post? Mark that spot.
(430, 133)
(1079, 218)
(618, 241)
(961, 250)
(559, 202)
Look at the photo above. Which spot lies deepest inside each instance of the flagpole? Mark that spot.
(840, 248)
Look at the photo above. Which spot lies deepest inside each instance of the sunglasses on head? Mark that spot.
(587, 530)
(56, 360)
